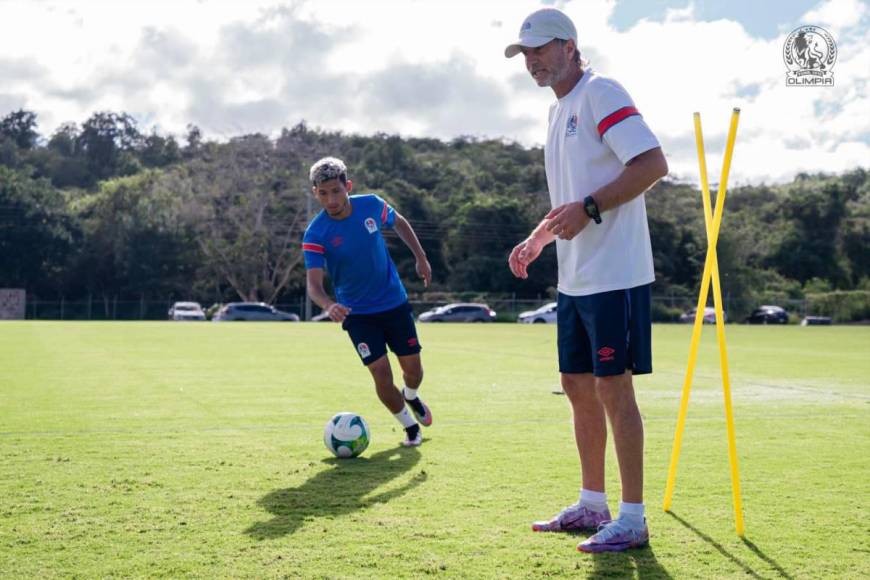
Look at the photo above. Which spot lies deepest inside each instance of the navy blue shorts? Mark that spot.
(605, 334)
(371, 333)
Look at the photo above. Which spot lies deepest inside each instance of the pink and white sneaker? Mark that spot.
(616, 536)
(421, 411)
(414, 438)
(574, 518)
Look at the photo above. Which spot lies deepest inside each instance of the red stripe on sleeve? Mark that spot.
(316, 248)
(384, 214)
(614, 118)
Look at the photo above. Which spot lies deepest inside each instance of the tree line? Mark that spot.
(105, 209)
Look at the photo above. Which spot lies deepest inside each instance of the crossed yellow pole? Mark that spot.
(712, 221)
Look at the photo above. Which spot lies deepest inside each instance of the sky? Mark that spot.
(436, 68)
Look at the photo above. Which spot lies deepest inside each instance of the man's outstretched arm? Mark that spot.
(641, 173)
(317, 293)
(406, 234)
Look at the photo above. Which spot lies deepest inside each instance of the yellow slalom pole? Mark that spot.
(720, 321)
(710, 270)
(696, 335)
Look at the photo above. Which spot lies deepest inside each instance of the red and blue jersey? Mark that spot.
(354, 253)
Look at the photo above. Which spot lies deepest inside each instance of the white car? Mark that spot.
(186, 311)
(709, 316)
(546, 313)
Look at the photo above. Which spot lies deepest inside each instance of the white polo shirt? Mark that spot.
(594, 131)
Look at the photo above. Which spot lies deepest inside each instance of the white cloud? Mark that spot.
(431, 68)
(837, 14)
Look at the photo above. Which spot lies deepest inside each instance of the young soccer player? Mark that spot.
(371, 302)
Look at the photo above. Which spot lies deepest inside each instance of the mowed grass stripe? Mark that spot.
(165, 449)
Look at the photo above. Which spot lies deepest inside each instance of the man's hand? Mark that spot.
(568, 220)
(424, 270)
(524, 254)
(337, 312)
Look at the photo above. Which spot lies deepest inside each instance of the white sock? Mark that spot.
(594, 500)
(410, 393)
(405, 418)
(631, 514)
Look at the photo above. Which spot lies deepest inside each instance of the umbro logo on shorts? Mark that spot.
(605, 353)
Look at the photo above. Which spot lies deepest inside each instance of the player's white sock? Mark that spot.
(410, 393)
(594, 500)
(405, 418)
(631, 514)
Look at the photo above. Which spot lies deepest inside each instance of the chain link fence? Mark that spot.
(506, 306)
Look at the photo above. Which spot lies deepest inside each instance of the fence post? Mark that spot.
(115, 307)
(61, 307)
(90, 305)
(142, 306)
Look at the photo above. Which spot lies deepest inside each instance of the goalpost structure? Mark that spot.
(712, 221)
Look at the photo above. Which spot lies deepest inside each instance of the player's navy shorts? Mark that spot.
(605, 334)
(371, 333)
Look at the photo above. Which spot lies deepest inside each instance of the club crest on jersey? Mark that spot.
(371, 226)
(571, 127)
(363, 350)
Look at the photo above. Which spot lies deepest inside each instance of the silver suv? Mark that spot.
(252, 311)
(460, 312)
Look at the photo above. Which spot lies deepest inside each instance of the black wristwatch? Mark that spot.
(592, 209)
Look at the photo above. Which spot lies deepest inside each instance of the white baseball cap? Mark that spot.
(541, 27)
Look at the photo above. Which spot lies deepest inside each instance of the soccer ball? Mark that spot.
(346, 435)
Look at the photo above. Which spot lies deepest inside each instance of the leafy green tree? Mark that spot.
(20, 127)
(159, 151)
(809, 249)
(37, 233)
(248, 215)
(108, 142)
(135, 242)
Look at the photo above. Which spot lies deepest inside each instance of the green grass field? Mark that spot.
(177, 450)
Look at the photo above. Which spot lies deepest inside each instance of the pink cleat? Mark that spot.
(413, 437)
(574, 518)
(615, 536)
(421, 411)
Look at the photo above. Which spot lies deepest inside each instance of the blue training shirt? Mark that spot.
(355, 255)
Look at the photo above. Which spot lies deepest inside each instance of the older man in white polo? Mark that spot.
(600, 158)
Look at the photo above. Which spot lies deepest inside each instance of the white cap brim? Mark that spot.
(526, 42)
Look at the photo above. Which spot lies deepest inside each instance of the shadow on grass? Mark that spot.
(755, 550)
(337, 491)
(624, 565)
(737, 561)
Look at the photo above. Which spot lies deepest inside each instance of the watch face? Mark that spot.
(592, 209)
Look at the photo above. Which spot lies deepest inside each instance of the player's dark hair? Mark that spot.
(327, 169)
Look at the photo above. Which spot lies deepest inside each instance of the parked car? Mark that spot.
(768, 315)
(252, 311)
(186, 311)
(546, 313)
(459, 312)
(709, 316)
